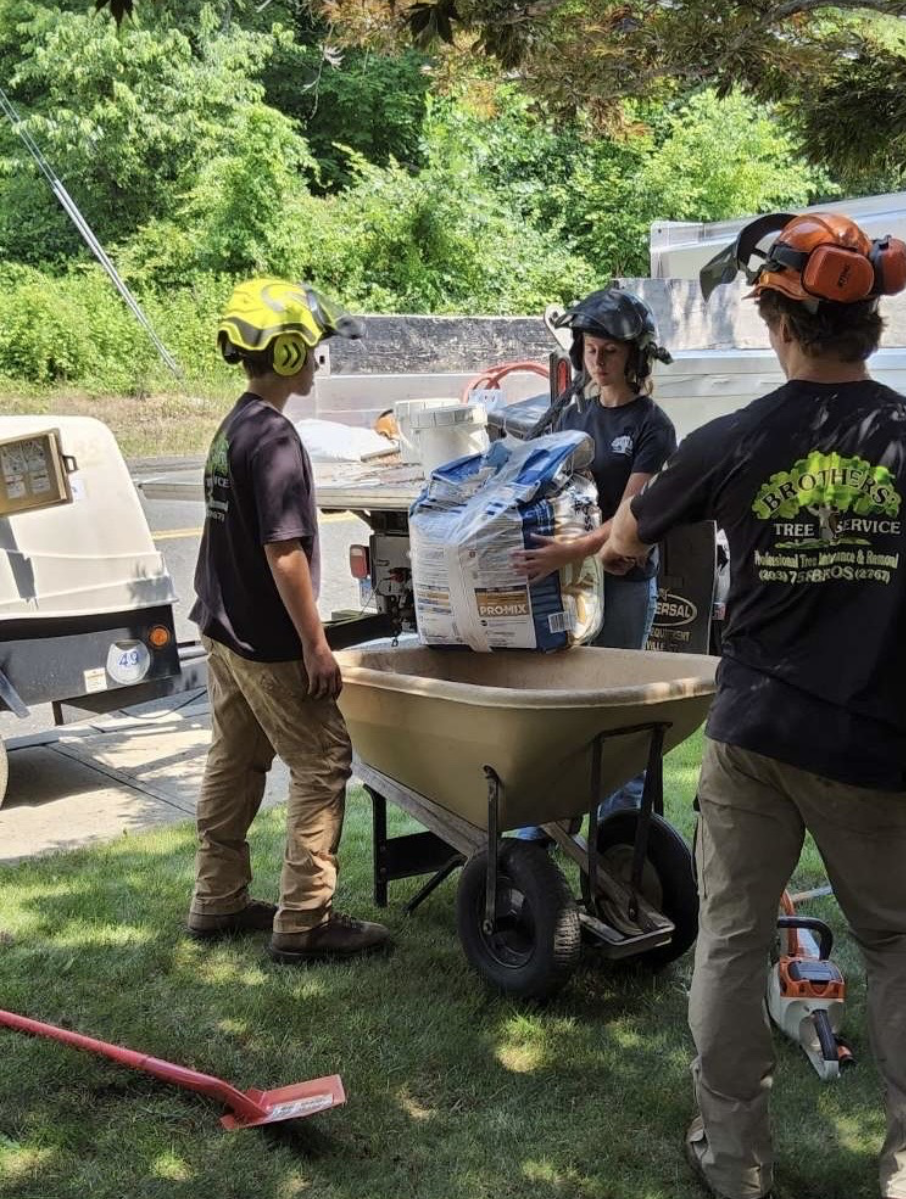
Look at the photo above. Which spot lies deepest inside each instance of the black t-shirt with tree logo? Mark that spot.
(808, 484)
(258, 489)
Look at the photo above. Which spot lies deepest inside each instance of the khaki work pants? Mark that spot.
(754, 813)
(259, 709)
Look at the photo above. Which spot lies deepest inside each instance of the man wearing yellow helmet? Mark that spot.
(272, 679)
(808, 728)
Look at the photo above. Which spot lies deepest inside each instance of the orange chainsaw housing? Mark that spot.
(807, 978)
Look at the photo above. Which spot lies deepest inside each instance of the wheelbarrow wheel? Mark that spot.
(4, 772)
(668, 877)
(535, 945)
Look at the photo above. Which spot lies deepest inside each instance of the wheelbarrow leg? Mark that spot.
(433, 883)
(379, 825)
(652, 801)
(490, 894)
(594, 803)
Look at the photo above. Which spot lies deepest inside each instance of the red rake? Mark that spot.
(247, 1108)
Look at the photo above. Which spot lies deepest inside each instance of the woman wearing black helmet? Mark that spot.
(613, 348)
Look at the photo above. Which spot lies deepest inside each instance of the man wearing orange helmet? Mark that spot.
(808, 728)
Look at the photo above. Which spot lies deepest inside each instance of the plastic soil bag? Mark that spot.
(471, 519)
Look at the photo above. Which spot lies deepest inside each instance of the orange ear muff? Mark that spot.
(888, 259)
(290, 353)
(838, 274)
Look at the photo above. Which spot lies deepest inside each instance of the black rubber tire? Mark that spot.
(537, 946)
(668, 880)
(4, 772)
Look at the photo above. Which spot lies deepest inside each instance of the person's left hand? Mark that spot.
(551, 554)
(616, 564)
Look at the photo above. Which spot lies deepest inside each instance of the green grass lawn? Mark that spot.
(454, 1092)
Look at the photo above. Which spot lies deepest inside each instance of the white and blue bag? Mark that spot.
(474, 515)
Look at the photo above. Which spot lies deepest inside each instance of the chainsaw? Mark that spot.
(806, 992)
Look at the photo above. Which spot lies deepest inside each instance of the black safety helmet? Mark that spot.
(622, 316)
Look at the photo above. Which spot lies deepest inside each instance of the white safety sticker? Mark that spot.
(301, 1107)
(95, 679)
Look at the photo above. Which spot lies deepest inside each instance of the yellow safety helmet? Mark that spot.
(289, 318)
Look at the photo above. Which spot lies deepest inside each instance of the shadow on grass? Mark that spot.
(454, 1092)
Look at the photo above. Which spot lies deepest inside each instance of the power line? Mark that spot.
(72, 210)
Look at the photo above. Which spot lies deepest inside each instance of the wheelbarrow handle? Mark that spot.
(179, 1076)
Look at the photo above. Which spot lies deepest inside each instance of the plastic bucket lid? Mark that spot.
(405, 408)
(463, 414)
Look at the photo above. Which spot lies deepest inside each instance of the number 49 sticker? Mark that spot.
(128, 661)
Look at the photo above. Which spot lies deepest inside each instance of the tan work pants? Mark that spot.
(257, 709)
(754, 813)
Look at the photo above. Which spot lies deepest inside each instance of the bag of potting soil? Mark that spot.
(471, 519)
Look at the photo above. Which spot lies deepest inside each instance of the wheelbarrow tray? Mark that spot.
(432, 719)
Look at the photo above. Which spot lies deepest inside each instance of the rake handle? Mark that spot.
(180, 1076)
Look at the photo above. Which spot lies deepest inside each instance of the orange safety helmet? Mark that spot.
(818, 256)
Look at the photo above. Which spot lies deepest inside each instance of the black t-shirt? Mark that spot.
(258, 489)
(807, 483)
(635, 438)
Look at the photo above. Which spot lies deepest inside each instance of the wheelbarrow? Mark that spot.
(474, 745)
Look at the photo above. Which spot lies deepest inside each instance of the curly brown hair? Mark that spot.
(848, 332)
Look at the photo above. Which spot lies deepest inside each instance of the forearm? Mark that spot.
(600, 537)
(591, 543)
(624, 539)
(292, 577)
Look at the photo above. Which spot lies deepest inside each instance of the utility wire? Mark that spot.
(72, 210)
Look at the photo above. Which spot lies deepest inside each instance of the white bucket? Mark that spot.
(403, 411)
(445, 434)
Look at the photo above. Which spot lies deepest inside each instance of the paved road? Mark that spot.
(176, 527)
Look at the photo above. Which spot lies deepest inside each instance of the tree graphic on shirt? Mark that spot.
(826, 486)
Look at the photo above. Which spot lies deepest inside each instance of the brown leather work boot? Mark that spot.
(339, 937)
(257, 916)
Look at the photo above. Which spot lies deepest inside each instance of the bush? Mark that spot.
(75, 329)
(45, 334)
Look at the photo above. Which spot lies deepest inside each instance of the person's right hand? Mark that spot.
(324, 678)
(545, 555)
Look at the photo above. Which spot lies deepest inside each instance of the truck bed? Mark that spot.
(382, 486)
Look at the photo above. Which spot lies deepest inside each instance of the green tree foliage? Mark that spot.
(721, 157)
(372, 103)
(204, 144)
(126, 118)
(859, 124)
(836, 66)
(443, 241)
(248, 210)
(821, 59)
(707, 160)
